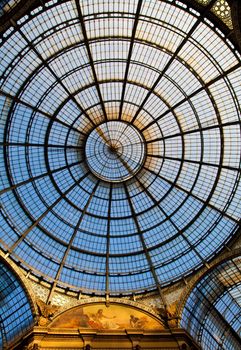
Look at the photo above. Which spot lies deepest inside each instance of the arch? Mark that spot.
(212, 309)
(16, 307)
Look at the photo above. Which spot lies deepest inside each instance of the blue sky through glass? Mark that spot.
(181, 91)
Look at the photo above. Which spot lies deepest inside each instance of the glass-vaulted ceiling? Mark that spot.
(213, 309)
(16, 316)
(120, 143)
(6, 6)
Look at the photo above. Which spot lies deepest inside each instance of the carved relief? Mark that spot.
(169, 315)
(46, 312)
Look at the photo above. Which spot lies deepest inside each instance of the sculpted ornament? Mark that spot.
(46, 312)
(169, 316)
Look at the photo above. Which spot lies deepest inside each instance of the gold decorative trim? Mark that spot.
(95, 300)
(222, 10)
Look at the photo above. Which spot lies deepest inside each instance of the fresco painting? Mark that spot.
(101, 317)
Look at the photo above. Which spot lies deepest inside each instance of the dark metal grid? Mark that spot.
(14, 301)
(7, 6)
(212, 312)
(122, 242)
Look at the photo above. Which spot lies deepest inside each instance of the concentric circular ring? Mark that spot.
(120, 164)
(115, 151)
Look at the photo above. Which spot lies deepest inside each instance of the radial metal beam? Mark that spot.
(193, 131)
(220, 316)
(180, 231)
(43, 215)
(151, 266)
(28, 144)
(46, 64)
(37, 110)
(157, 203)
(170, 109)
(174, 56)
(137, 14)
(193, 161)
(194, 93)
(143, 243)
(38, 177)
(57, 276)
(87, 45)
(190, 193)
(107, 286)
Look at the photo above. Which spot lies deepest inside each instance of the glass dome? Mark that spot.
(120, 143)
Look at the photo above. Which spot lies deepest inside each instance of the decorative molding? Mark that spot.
(87, 301)
(222, 10)
(46, 312)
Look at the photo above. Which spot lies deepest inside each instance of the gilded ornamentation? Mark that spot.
(64, 301)
(169, 315)
(203, 2)
(46, 312)
(222, 10)
(40, 291)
